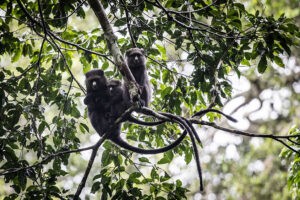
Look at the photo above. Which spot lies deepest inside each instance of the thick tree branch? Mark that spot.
(112, 45)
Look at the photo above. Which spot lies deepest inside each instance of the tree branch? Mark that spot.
(128, 23)
(57, 38)
(112, 45)
(95, 150)
(89, 167)
(243, 133)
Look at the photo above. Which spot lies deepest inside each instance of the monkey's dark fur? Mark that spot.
(97, 99)
(135, 59)
(106, 102)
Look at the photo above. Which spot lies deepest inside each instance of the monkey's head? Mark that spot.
(135, 57)
(115, 90)
(95, 80)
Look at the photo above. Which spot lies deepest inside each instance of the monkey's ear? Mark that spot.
(87, 74)
(100, 72)
(127, 53)
(143, 52)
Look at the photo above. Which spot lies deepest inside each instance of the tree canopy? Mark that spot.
(193, 49)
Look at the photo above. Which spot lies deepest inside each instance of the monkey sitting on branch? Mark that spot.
(135, 59)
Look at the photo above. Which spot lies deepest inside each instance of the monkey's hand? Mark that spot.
(87, 100)
(142, 102)
(138, 99)
(90, 98)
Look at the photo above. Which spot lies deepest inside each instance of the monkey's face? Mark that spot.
(115, 90)
(96, 81)
(135, 57)
(96, 84)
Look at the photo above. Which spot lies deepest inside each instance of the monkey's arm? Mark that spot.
(89, 98)
(140, 122)
(119, 141)
(94, 101)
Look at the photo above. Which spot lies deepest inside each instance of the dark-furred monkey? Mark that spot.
(136, 62)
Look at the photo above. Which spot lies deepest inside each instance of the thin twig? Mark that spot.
(59, 39)
(44, 160)
(128, 23)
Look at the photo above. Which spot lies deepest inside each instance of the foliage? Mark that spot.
(41, 113)
(293, 181)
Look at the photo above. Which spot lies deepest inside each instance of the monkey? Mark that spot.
(119, 99)
(106, 102)
(97, 99)
(97, 89)
(135, 59)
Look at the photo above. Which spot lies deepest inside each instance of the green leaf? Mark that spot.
(105, 66)
(162, 50)
(120, 22)
(166, 76)
(143, 159)
(168, 157)
(22, 180)
(95, 187)
(245, 62)
(166, 91)
(16, 56)
(134, 175)
(188, 156)
(42, 127)
(154, 174)
(106, 159)
(262, 65)
(165, 177)
(75, 112)
(286, 48)
(278, 61)
(193, 98)
(84, 126)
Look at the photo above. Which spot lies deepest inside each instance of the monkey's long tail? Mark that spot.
(119, 141)
(144, 123)
(202, 112)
